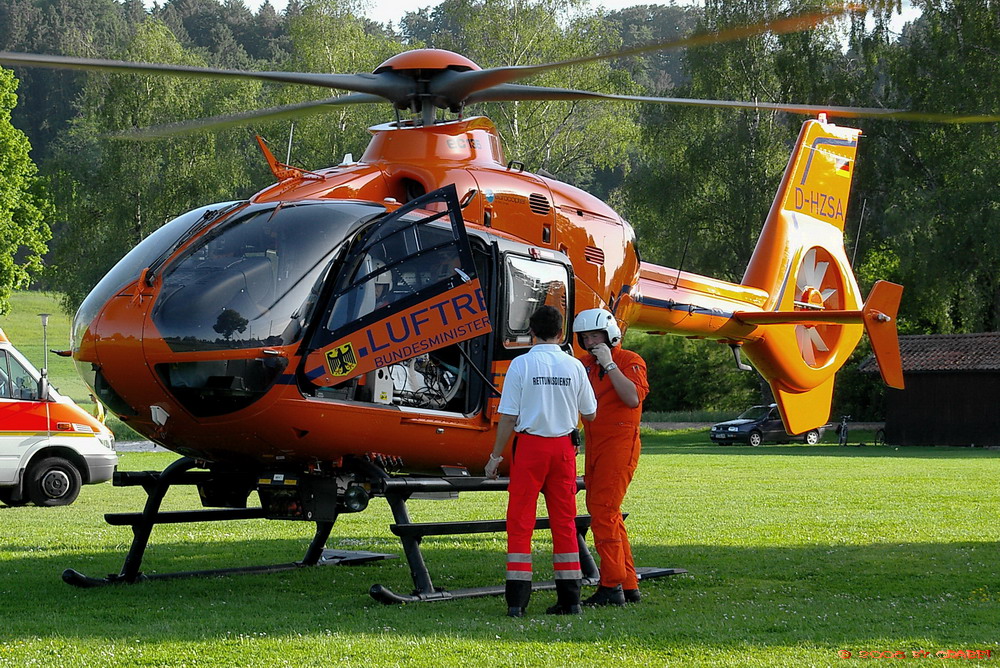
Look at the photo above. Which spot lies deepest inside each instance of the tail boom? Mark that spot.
(670, 301)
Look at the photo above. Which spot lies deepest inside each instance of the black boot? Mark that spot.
(517, 594)
(567, 598)
(632, 595)
(607, 596)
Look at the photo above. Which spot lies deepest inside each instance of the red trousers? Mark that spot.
(548, 466)
(612, 456)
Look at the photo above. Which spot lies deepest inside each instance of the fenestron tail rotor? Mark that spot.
(816, 289)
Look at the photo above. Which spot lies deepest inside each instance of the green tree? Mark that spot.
(124, 190)
(707, 177)
(229, 322)
(84, 28)
(692, 375)
(330, 36)
(23, 212)
(933, 202)
(658, 72)
(568, 139)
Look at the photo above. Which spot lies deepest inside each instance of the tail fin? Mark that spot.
(801, 263)
(798, 312)
(809, 209)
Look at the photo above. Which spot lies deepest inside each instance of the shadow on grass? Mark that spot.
(850, 595)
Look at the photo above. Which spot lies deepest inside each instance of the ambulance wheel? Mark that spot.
(53, 481)
(7, 497)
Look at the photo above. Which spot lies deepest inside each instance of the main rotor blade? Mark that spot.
(388, 85)
(508, 92)
(457, 88)
(215, 123)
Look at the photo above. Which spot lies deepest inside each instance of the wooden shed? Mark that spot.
(952, 391)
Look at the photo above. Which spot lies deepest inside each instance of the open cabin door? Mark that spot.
(404, 299)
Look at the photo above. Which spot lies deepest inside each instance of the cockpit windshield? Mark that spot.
(251, 281)
(148, 252)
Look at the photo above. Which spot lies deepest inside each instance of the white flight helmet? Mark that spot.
(594, 319)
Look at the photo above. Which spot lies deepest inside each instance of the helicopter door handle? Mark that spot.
(271, 351)
(467, 200)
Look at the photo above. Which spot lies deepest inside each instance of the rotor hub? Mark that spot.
(812, 297)
(427, 60)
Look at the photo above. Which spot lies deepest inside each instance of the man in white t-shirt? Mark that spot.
(544, 394)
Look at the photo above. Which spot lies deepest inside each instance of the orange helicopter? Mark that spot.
(343, 333)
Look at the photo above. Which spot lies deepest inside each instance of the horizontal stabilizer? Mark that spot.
(878, 316)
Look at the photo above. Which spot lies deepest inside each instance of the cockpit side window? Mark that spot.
(403, 313)
(532, 284)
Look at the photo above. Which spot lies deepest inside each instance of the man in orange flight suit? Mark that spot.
(618, 377)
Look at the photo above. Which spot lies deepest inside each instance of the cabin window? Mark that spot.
(532, 284)
(394, 329)
(396, 263)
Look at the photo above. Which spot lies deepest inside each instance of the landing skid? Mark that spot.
(389, 597)
(328, 558)
(179, 472)
(396, 490)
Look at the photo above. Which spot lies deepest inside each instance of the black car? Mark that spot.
(758, 424)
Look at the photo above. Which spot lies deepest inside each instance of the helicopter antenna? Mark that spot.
(857, 239)
(683, 257)
(291, 131)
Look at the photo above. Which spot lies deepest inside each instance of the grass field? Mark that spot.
(24, 329)
(795, 554)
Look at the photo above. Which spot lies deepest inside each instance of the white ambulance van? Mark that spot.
(49, 446)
